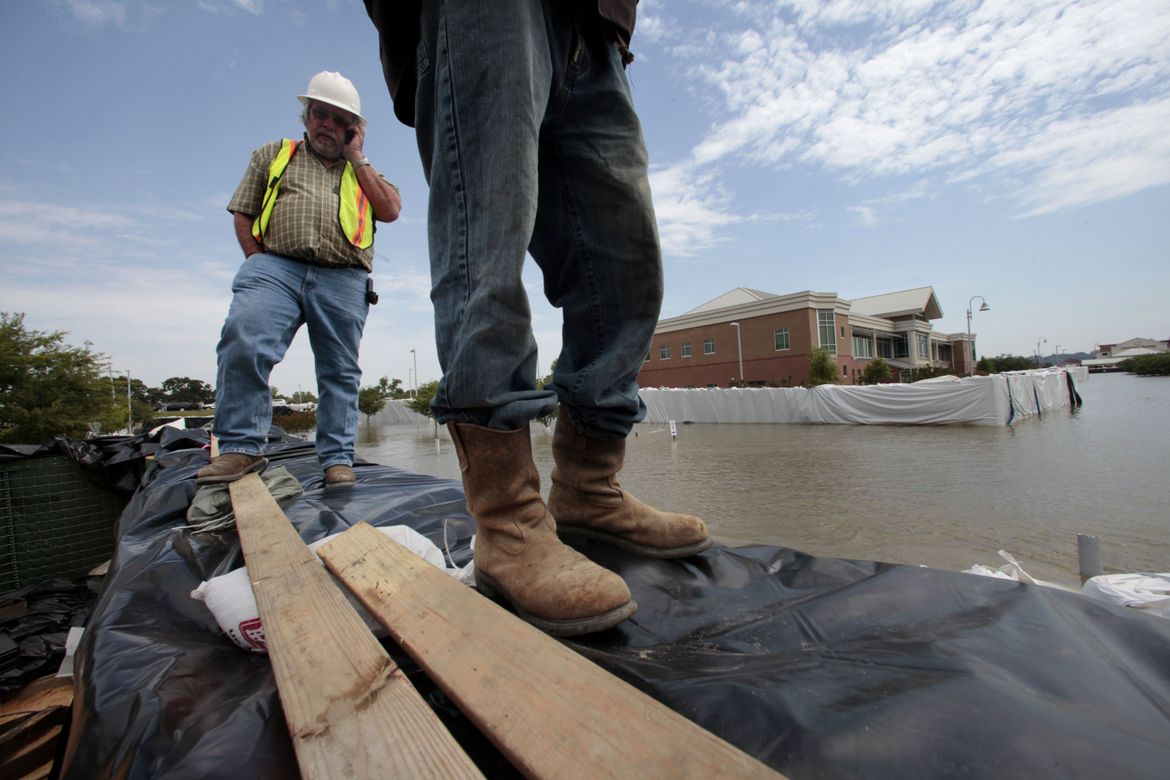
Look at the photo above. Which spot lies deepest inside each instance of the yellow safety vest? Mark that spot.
(355, 212)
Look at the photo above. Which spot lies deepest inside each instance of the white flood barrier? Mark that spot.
(999, 399)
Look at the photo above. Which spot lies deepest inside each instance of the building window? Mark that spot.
(780, 336)
(664, 352)
(844, 370)
(685, 349)
(828, 330)
(901, 347)
(842, 331)
(708, 346)
(885, 348)
(862, 347)
(923, 347)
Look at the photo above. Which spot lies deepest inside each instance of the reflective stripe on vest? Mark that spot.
(354, 212)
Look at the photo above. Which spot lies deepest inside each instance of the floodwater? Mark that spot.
(941, 496)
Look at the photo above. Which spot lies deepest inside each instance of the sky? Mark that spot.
(1015, 150)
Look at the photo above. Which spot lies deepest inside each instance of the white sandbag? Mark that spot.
(231, 602)
(1139, 590)
(1012, 570)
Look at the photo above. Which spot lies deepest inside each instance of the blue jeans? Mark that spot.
(530, 142)
(272, 297)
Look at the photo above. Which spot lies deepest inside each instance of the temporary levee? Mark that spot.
(999, 399)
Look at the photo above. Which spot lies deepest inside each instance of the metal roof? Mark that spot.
(732, 298)
(920, 300)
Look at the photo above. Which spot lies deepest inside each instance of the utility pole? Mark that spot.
(970, 348)
(414, 355)
(739, 347)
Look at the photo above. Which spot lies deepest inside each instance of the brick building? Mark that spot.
(768, 339)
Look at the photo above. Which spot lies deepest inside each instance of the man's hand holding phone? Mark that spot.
(355, 138)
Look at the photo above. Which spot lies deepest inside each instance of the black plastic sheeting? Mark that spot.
(819, 667)
(113, 462)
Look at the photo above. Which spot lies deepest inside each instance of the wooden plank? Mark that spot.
(44, 693)
(350, 710)
(31, 756)
(552, 712)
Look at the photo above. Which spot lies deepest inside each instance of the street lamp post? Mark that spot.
(414, 355)
(739, 347)
(1039, 341)
(129, 409)
(970, 347)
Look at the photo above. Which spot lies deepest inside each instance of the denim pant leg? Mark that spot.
(264, 315)
(596, 239)
(484, 82)
(335, 308)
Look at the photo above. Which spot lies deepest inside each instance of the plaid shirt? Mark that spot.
(304, 224)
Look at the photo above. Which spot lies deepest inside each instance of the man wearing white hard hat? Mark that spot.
(304, 216)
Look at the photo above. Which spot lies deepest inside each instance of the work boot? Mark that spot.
(339, 474)
(228, 468)
(588, 501)
(518, 556)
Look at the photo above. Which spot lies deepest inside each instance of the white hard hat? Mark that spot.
(331, 87)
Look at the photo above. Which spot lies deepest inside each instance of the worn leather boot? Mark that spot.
(518, 555)
(228, 468)
(339, 474)
(588, 501)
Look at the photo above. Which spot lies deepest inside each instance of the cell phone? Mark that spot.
(348, 136)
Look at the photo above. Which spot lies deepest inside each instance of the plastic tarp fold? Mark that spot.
(819, 667)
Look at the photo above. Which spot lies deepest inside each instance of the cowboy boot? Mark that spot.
(518, 555)
(588, 501)
(229, 467)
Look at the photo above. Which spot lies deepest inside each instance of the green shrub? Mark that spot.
(876, 371)
(296, 422)
(1147, 365)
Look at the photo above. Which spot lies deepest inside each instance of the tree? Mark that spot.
(1006, 363)
(303, 397)
(48, 388)
(370, 401)
(422, 403)
(929, 372)
(391, 388)
(1147, 365)
(547, 380)
(822, 369)
(542, 383)
(182, 388)
(876, 372)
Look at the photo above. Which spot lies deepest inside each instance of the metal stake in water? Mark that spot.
(673, 430)
(1089, 555)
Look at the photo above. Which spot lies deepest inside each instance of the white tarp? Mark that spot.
(999, 399)
(396, 411)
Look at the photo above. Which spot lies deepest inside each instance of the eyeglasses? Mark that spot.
(341, 120)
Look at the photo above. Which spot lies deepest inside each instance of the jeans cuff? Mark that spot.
(238, 451)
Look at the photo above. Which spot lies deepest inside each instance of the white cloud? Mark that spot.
(693, 211)
(254, 7)
(866, 215)
(1063, 103)
(96, 12)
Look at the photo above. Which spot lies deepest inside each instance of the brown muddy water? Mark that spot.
(941, 496)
